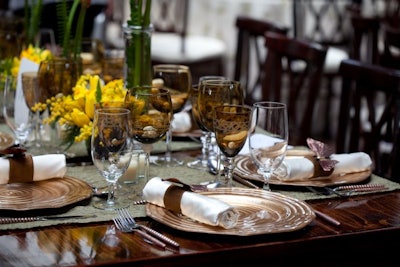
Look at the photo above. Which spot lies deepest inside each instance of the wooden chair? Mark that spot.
(364, 44)
(172, 45)
(250, 53)
(299, 90)
(370, 114)
(391, 52)
(326, 22)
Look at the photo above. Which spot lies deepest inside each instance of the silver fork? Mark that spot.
(123, 226)
(124, 213)
(329, 191)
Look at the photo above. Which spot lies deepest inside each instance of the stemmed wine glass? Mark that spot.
(268, 155)
(178, 80)
(231, 125)
(217, 92)
(206, 136)
(151, 113)
(111, 150)
(16, 112)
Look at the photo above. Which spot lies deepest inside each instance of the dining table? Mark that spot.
(365, 233)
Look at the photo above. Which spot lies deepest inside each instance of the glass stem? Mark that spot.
(205, 149)
(168, 144)
(229, 165)
(111, 194)
(147, 149)
(266, 175)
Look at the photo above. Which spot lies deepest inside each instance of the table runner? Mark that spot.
(191, 176)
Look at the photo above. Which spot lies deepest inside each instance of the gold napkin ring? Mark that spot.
(21, 169)
(318, 171)
(172, 198)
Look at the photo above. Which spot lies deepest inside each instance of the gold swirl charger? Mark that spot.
(260, 212)
(51, 193)
(246, 169)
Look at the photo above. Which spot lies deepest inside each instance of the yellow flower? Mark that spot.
(79, 118)
(76, 111)
(34, 54)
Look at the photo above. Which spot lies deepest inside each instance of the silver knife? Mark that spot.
(245, 182)
(6, 220)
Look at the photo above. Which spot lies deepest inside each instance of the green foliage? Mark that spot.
(138, 47)
(137, 17)
(62, 16)
(65, 19)
(33, 13)
(98, 92)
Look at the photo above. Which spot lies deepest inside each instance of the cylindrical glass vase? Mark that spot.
(137, 67)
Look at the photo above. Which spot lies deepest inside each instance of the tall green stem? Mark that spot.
(138, 45)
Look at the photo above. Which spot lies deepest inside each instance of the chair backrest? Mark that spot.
(391, 51)
(250, 52)
(370, 114)
(298, 86)
(364, 44)
(171, 16)
(387, 10)
(322, 21)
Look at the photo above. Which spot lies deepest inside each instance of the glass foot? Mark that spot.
(172, 162)
(104, 205)
(198, 165)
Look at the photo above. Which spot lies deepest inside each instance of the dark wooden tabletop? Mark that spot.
(367, 236)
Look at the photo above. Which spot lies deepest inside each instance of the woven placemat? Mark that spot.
(187, 175)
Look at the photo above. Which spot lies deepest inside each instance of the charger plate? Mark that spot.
(246, 169)
(260, 212)
(6, 140)
(50, 193)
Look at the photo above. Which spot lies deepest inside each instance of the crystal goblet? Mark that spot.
(111, 150)
(268, 153)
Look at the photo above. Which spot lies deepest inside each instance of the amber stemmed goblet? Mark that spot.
(178, 80)
(231, 125)
(207, 150)
(151, 113)
(111, 150)
(268, 154)
(214, 93)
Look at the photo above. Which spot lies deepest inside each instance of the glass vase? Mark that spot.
(137, 67)
(56, 76)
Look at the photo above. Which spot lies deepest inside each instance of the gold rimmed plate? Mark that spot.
(46, 194)
(260, 212)
(246, 169)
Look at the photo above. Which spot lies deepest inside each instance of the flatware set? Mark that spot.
(347, 190)
(126, 223)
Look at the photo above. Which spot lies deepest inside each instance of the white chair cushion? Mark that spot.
(166, 47)
(333, 58)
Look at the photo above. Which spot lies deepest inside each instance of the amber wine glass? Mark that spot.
(207, 151)
(151, 113)
(212, 93)
(231, 125)
(178, 80)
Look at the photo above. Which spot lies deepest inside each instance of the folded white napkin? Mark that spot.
(181, 122)
(198, 207)
(301, 168)
(44, 167)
